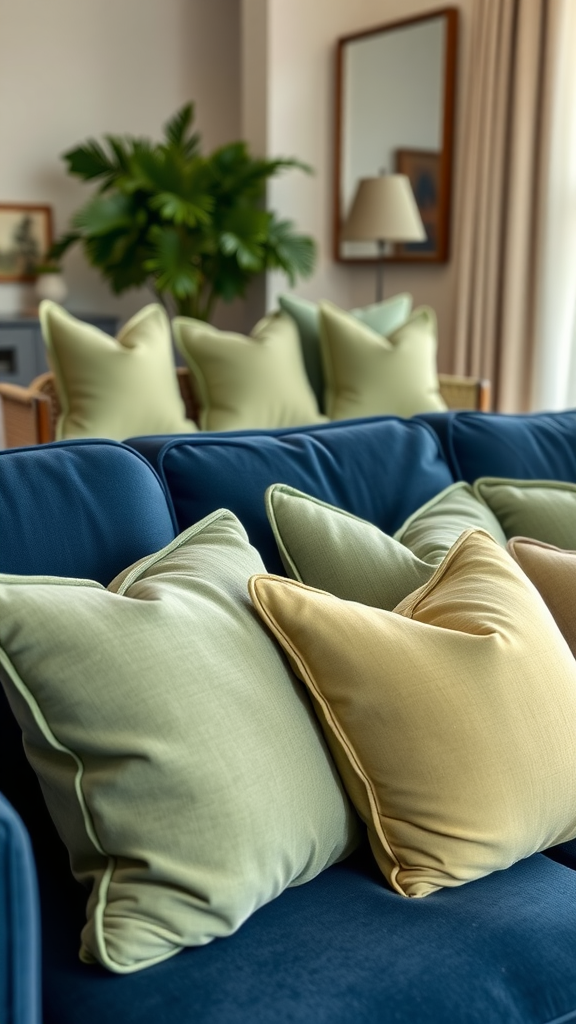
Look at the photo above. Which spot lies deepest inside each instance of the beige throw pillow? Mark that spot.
(553, 572)
(452, 719)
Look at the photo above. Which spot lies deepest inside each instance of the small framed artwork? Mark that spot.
(423, 169)
(25, 238)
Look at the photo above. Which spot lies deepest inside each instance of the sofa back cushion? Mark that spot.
(378, 469)
(532, 446)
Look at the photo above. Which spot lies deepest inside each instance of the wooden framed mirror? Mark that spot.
(395, 88)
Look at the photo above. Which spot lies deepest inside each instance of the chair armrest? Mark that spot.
(26, 416)
(465, 392)
(19, 923)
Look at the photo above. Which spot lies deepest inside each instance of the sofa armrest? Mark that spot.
(27, 416)
(465, 392)
(19, 923)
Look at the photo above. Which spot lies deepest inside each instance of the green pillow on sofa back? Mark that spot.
(114, 387)
(383, 317)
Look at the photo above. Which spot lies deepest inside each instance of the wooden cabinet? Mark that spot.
(22, 350)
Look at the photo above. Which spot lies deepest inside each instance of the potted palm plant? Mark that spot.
(192, 227)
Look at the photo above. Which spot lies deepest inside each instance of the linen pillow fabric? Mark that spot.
(114, 387)
(452, 719)
(326, 547)
(553, 572)
(432, 529)
(248, 382)
(542, 509)
(370, 374)
(383, 317)
(178, 756)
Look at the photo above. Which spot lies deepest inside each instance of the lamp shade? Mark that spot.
(384, 209)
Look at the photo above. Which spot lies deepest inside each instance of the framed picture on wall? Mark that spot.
(423, 169)
(25, 238)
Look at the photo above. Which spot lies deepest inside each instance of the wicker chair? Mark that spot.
(30, 414)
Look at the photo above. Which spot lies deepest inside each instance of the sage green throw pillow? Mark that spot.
(330, 549)
(431, 531)
(114, 387)
(383, 317)
(542, 509)
(371, 374)
(177, 753)
(248, 382)
(325, 547)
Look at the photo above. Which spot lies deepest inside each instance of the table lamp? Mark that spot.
(384, 210)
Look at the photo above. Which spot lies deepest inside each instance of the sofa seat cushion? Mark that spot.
(379, 469)
(532, 446)
(178, 755)
(345, 948)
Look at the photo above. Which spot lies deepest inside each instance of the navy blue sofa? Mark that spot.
(342, 949)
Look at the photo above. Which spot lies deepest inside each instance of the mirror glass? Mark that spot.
(395, 114)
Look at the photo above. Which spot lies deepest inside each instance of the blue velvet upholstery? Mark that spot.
(380, 469)
(345, 949)
(19, 923)
(79, 508)
(536, 446)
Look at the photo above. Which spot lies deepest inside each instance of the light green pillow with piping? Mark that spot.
(542, 509)
(330, 549)
(178, 755)
(114, 387)
(244, 383)
(325, 547)
(382, 316)
(432, 529)
(371, 374)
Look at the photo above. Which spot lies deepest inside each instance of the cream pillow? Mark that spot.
(452, 719)
(369, 374)
(248, 382)
(114, 387)
(178, 755)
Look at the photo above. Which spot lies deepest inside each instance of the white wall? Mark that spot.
(70, 69)
(302, 36)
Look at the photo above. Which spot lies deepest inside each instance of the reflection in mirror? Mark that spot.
(395, 112)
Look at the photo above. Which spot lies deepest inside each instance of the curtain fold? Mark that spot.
(554, 379)
(507, 125)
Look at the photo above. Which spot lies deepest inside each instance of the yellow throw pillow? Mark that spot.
(452, 719)
(370, 374)
(553, 572)
(114, 387)
(245, 383)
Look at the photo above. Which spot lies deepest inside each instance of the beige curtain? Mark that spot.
(498, 225)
